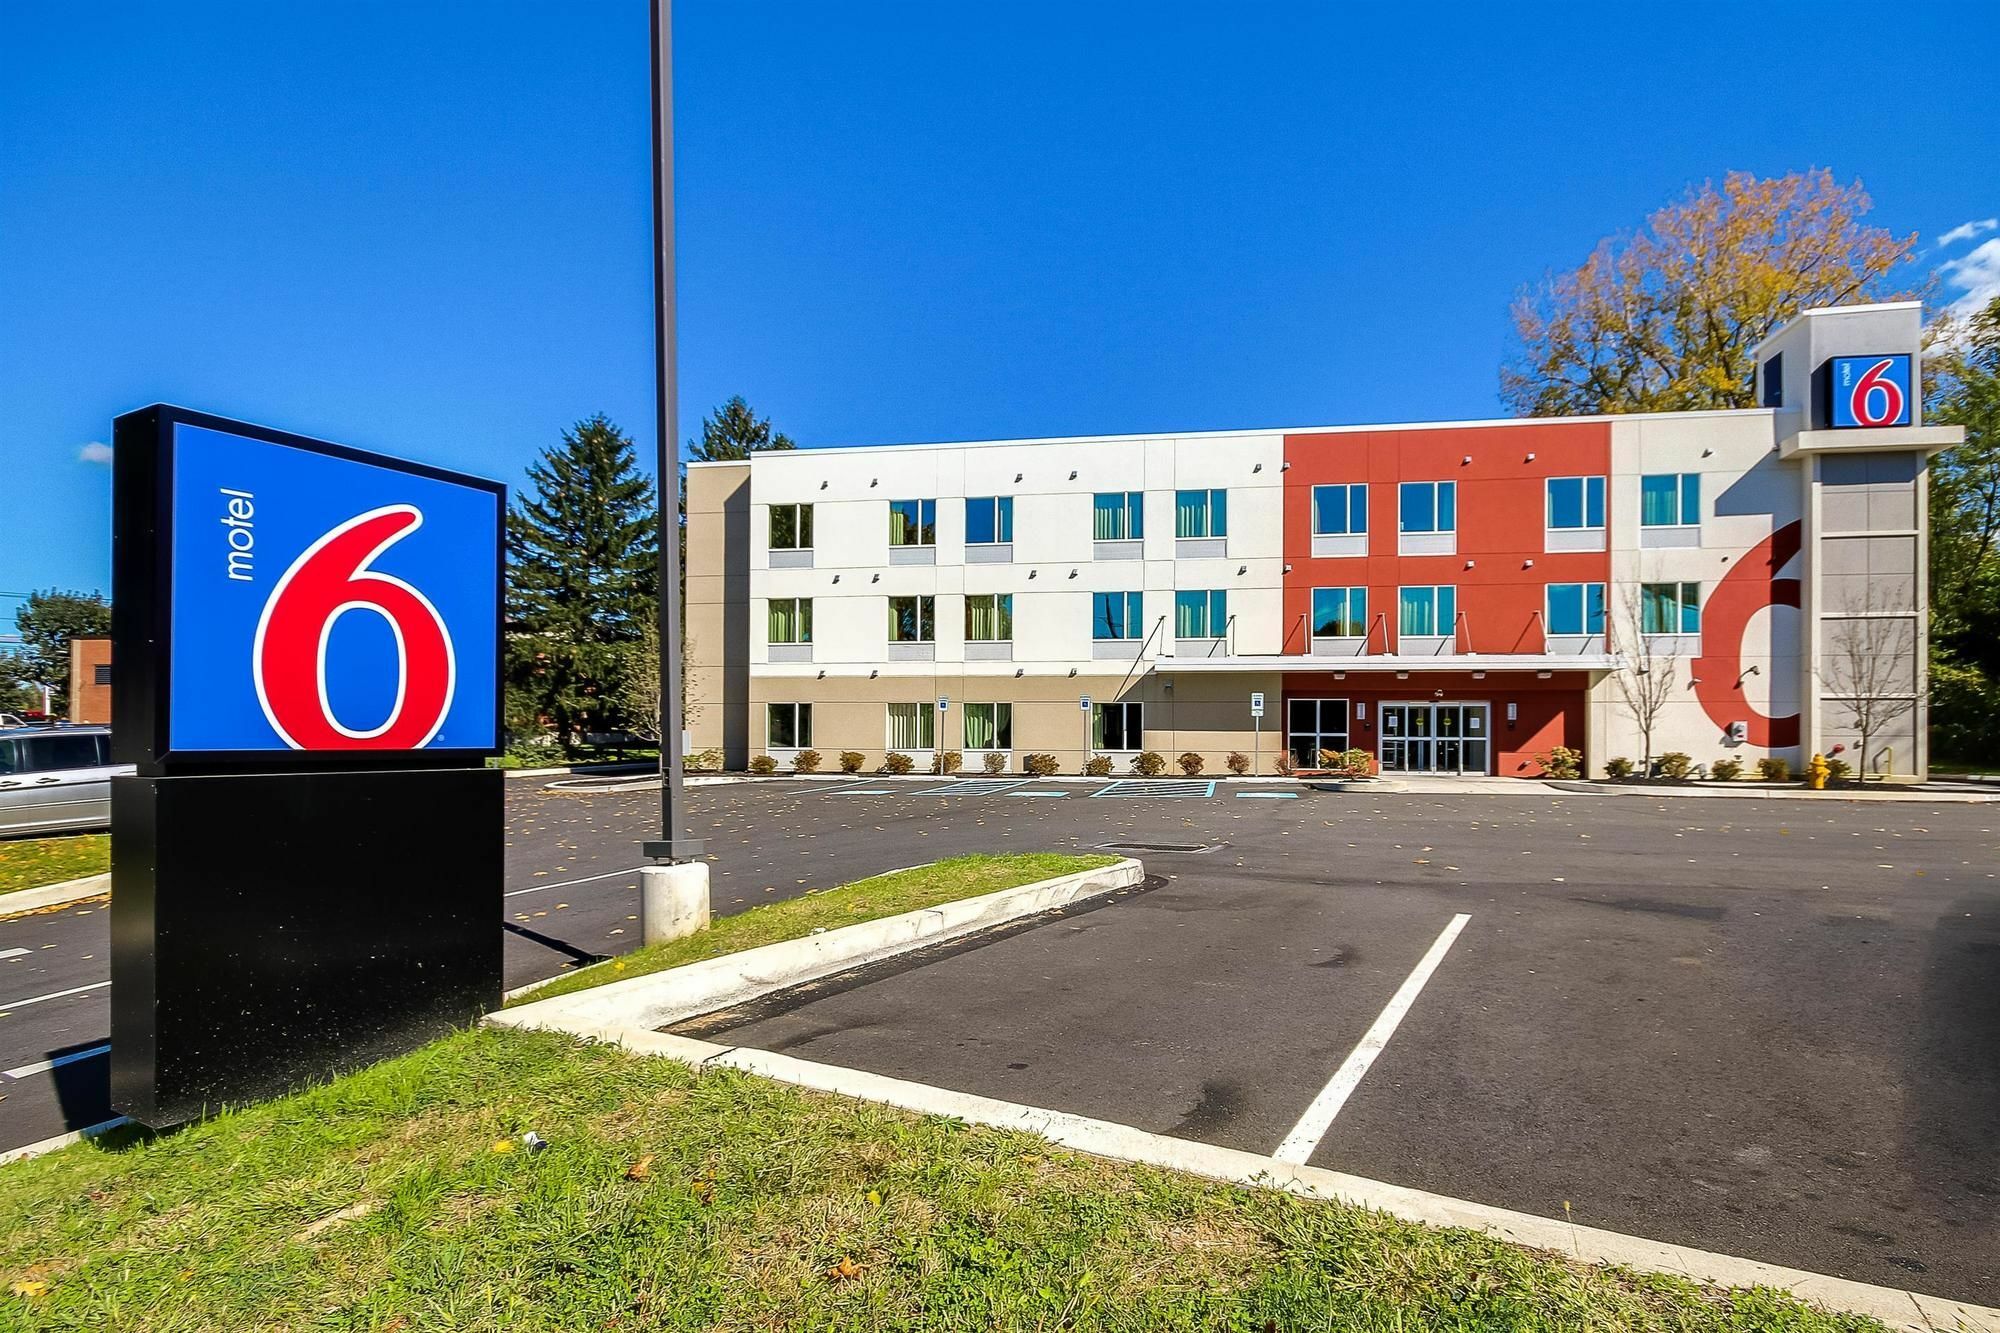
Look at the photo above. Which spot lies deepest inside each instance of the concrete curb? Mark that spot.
(54, 895)
(1749, 792)
(49, 1145)
(662, 998)
(1897, 1308)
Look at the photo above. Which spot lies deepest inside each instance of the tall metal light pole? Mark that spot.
(672, 845)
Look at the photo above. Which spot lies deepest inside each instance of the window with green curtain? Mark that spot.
(911, 619)
(989, 726)
(913, 522)
(1427, 611)
(1670, 499)
(1339, 613)
(1201, 513)
(912, 726)
(1117, 516)
(791, 620)
(1670, 608)
(1200, 615)
(989, 617)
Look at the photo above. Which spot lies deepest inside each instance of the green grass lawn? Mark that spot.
(863, 900)
(28, 863)
(401, 1198)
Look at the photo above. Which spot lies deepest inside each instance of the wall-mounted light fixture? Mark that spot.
(1527, 564)
(822, 485)
(1243, 569)
(1257, 467)
(875, 579)
(1543, 675)
(873, 673)
(1288, 569)
(873, 482)
(1072, 573)
(1033, 572)
(1530, 458)
(1471, 564)
(836, 578)
(1479, 675)
(1402, 675)
(822, 673)
(1340, 675)
(1072, 671)
(1285, 466)
(1072, 475)
(1017, 477)
(1465, 461)
(1020, 672)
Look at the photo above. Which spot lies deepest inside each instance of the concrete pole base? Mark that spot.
(673, 900)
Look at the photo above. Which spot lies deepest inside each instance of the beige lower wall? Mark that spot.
(1208, 715)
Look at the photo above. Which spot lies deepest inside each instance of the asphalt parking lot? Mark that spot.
(1769, 1028)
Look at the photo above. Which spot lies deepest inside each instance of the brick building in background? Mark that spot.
(1451, 597)
(90, 681)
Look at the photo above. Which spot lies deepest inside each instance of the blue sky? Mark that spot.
(423, 228)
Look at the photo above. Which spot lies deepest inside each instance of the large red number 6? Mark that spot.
(1863, 399)
(331, 578)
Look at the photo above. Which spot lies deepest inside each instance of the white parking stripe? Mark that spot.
(1305, 1136)
(54, 995)
(13, 953)
(44, 1066)
(565, 883)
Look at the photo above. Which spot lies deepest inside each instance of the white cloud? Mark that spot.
(1965, 231)
(95, 452)
(1978, 275)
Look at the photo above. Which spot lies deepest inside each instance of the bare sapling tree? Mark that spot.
(1871, 664)
(1646, 681)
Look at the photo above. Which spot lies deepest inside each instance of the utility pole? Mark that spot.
(672, 846)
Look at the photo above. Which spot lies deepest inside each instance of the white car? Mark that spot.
(56, 779)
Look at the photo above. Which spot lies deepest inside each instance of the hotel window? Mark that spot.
(788, 726)
(1773, 373)
(1116, 727)
(1118, 516)
(1201, 513)
(1429, 506)
(1115, 615)
(989, 726)
(912, 726)
(791, 620)
(1576, 608)
(1340, 511)
(913, 522)
(791, 527)
(1339, 613)
(989, 617)
(1670, 500)
(912, 619)
(989, 520)
(1576, 502)
(1427, 612)
(1200, 615)
(1670, 608)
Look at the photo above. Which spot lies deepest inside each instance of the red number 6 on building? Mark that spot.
(1862, 401)
(330, 578)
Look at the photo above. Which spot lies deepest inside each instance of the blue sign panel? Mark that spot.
(327, 601)
(1870, 391)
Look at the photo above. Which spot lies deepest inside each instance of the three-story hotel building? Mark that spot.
(1451, 597)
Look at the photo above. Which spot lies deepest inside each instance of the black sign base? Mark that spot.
(271, 930)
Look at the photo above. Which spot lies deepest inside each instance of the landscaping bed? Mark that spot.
(404, 1197)
(848, 905)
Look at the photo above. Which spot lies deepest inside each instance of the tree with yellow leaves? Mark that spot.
(1664, 319)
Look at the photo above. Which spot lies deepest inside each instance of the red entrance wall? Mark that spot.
(1501, 502)
(1548, 712)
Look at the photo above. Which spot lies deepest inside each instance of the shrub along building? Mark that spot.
(1455, 598)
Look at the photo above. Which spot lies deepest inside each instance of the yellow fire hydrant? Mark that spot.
(1817, 772)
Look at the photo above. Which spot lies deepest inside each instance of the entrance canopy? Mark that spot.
(1376, 663)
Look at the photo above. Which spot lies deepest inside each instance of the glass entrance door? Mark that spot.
(1435, 738)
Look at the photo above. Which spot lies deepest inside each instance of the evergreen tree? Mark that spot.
(735, 432)
(582, 583)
